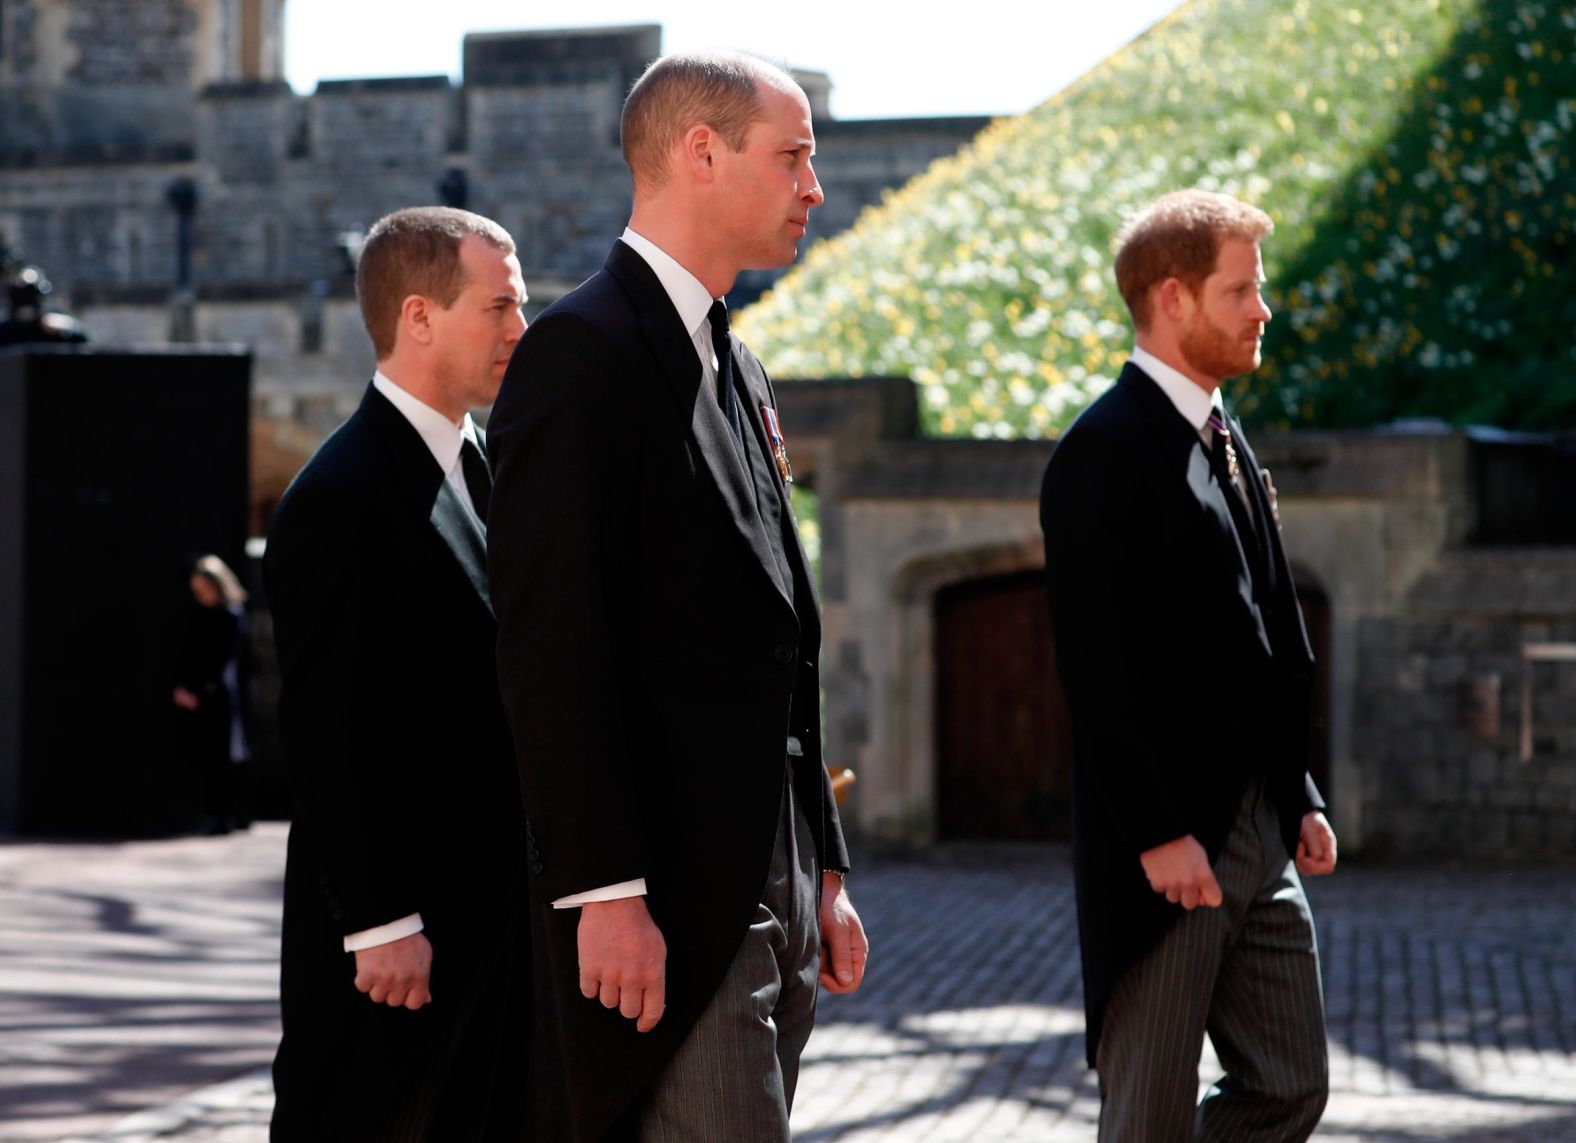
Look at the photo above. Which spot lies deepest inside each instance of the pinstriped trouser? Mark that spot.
(1248, 974)
(732, 1079)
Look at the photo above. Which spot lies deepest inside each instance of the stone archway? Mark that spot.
(905, 789)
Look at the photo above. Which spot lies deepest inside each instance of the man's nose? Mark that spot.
(812, 194)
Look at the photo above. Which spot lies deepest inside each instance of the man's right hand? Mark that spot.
(397, 973)
(1180, 870)
(623, 959)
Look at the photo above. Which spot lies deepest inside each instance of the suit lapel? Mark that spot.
(1258, 507)
(463, 534)
(757, 393)
(1284, 586)
(428, 489)
(670, 344)
(1185, 451)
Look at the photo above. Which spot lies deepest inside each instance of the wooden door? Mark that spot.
(1003, 749)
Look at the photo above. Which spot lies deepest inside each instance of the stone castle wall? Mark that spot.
(110, 101)
(1446, 698)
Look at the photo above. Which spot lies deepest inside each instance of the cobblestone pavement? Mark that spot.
(141, 976)
(131, 974)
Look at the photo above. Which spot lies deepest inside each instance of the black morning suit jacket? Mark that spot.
(1185, 679)
(406, 797)
(658, 642)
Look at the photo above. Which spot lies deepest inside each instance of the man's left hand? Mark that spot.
(398, 973)
(1315, 846)
(844, 949)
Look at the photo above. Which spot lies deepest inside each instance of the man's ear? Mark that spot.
(698, 150)
(415, 314)
(1173, 299)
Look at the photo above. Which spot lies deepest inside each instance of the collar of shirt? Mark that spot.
(691, 299)
(1190, 400)
(441, 435)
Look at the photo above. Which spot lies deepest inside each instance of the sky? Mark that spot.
(885, 59)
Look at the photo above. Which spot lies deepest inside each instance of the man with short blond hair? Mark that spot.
(659, 639)
(417, 252)
(722, 89)
(402, 981)
(1180, 643)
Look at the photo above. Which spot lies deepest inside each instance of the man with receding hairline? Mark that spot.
(401, 982)
(658, 645)
(1180, 644)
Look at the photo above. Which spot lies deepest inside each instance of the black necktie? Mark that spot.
(478, 481)
(727, 399)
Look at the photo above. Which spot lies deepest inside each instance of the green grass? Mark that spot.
(1415, 155)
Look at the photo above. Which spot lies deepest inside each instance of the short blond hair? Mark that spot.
(416, 251)
(721, 89)
(1179, 236)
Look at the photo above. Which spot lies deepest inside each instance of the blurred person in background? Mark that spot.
(211, 732)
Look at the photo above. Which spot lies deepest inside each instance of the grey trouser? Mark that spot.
(1248, 974)
(733, 1076)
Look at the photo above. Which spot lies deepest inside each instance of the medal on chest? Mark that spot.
(774, 435)
(1224, 433)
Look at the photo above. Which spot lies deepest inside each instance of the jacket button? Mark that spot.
(536, 867)
(784, 653)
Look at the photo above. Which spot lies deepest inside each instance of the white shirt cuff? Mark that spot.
(384, 934)
(635, 888)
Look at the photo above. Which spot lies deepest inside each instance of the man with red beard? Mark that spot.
(1181, 647)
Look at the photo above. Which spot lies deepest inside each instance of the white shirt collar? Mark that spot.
(1190, 400)
(442, 436)
(689, 297)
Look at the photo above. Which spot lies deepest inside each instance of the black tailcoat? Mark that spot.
(406, 795)
(1185, 679)
(658, 643)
